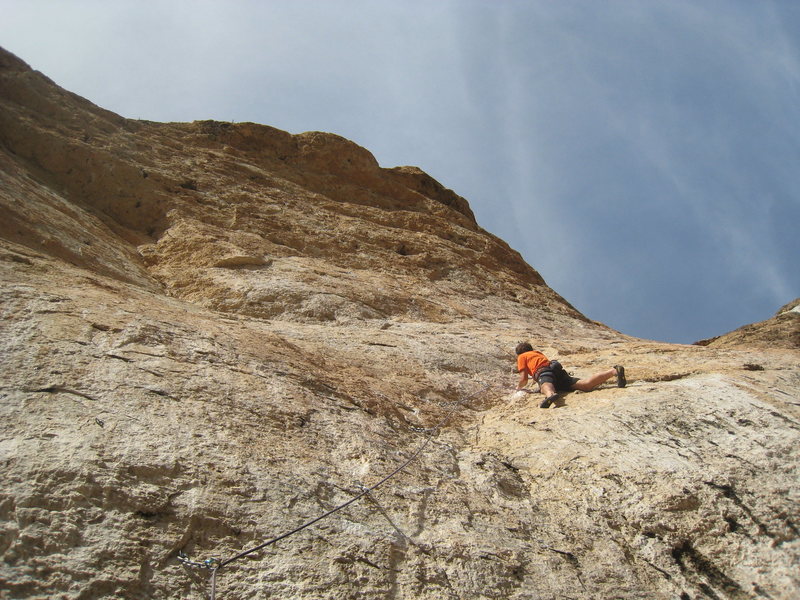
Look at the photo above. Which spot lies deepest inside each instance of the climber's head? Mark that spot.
(523, 347)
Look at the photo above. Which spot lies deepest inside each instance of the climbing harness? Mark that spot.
(214, 564)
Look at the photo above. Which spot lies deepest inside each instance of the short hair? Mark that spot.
(523, 347)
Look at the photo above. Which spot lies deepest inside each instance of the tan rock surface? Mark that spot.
(780, 331)
(215, 332)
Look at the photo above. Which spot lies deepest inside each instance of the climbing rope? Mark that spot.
(214, 564)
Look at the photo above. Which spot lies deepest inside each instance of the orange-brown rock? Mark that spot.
(213, 333)
(780, 331)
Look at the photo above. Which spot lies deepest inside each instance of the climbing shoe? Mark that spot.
(548, 401)
(621, 381)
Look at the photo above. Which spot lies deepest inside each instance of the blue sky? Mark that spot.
(642, 155)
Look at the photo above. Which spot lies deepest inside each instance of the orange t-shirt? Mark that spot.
(531, 361)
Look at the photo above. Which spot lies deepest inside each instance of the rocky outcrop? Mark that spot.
(213, 333)
(780, 331)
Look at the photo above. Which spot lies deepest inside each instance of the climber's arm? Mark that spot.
(523, 379)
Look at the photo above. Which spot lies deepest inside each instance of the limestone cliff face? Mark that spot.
(780, 331)
(213, 333)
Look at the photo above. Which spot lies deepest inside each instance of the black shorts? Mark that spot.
(556, 375)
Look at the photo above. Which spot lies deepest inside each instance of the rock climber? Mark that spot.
(553, 379)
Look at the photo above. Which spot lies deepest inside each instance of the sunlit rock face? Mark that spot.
(213, 333)
(779, 331)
